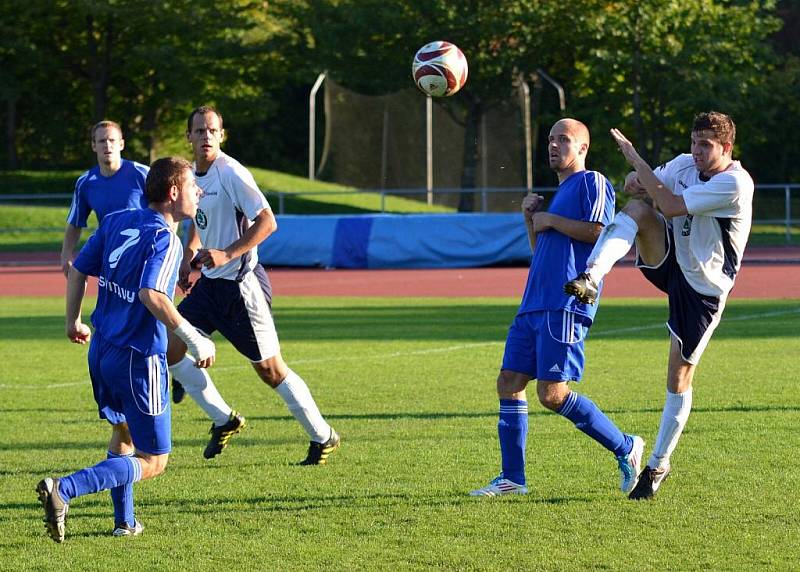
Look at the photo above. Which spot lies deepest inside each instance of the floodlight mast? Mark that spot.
(312, 125)
(429, 147)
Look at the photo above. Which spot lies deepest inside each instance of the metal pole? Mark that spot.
(526, 120)
(788, 199)
(384, 146)
(562, 100)
(312, 125)
(429, 145)
(484, 165)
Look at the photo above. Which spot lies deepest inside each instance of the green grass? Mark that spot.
(38, 182)
(323, 198)
(39, 225)
(409, 383)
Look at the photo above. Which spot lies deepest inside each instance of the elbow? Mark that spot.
(594, 233)
(269, 225)
(145, 296)
(674, 210)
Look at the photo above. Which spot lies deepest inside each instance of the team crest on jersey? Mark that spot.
(687, 226)
(201, 219)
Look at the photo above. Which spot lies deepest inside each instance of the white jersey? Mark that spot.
(231, 201)
(710, 240)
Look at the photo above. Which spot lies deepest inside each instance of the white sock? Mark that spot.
(613, 243)
(302, 406)
(199, 386)
(673, 419)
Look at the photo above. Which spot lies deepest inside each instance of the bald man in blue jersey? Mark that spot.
(545, 341)
(135, 255)
(113, 184)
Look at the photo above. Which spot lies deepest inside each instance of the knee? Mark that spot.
(551, 395)
(160, 468)
(271, 372)
(153, 465)
(638, 210)
(511, 385)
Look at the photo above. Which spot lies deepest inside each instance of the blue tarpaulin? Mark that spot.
(397, 241)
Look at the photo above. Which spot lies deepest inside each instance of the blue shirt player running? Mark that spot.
(135, 256)
(113, 184)
(545, 340)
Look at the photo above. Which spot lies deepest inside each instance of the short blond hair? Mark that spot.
(105, 124)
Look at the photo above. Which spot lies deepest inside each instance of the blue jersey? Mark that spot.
(557, 258)
(132, 249)
(94, 192)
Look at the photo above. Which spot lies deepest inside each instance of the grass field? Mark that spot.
(409, 384)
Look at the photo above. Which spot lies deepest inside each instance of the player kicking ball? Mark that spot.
(135, 256)
(690, 220)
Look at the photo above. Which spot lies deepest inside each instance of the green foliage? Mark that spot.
(409, 383)
(646, 67)
(652, 66)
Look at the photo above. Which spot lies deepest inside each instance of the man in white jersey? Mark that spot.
(689, 219)
(233, 295)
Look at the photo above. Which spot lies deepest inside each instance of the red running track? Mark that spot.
(754, 281)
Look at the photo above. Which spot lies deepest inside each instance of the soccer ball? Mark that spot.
(439, 69)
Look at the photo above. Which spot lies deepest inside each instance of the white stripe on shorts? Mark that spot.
(260, 317)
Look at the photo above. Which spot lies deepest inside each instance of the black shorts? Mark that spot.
(239, 310)
(693, 317)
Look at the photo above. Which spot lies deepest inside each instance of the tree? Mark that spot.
(651, 66)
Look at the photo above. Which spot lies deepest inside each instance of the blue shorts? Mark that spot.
(239, 310)
(693, 317)
(547, 345)
(131, 387)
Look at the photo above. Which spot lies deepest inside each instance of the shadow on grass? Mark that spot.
(370, 501)
(458, 322)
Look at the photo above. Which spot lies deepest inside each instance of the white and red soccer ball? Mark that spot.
(439, 69)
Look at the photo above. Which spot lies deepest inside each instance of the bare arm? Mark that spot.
(263, 225)
(189, 251)
(76, 330)
(71, 236)
(669, 204)
(531, 204)
(580, 230)
(161, 306)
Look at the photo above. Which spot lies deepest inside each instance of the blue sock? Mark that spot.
(104, 475)
(512, 430)
(122, 498)
(588, 418)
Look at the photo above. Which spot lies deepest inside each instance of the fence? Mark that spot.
(774, 204)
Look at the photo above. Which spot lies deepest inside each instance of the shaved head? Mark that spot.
(576, 128)
(567, 146)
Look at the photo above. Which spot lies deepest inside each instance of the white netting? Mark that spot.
(378, 142)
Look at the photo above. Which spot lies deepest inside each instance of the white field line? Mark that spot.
(405, 354)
